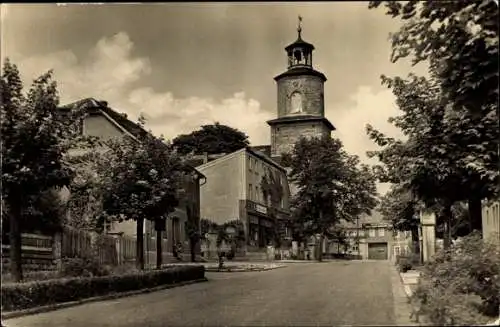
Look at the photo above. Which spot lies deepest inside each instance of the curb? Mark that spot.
(422, 319)
(402, 305)
(53, 307)
(244, 270)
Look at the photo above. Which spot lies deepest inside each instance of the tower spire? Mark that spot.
(299, 26)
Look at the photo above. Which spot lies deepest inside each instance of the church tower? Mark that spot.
(301, 104)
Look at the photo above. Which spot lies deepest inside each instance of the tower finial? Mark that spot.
(299, 27)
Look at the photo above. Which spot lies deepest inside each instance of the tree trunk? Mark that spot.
(159, 252)
(447, 226)
(475, 214)
(15, 250)
(139, 260)
(192, 248)
(320, 249)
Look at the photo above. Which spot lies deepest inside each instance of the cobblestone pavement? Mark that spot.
(314, 294)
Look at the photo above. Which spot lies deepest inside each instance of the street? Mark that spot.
(328, 293)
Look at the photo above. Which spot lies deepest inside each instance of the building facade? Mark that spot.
(234, 191)
(105, 123)
(301, 104)
(371, 238)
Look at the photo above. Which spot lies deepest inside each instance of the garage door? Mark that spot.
(377, 251)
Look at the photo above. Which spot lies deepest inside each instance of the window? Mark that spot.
(296, 103)
(257, 193)
(371, 232)
(250, 191)
(381, 232)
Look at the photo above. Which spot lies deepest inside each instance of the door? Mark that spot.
(377, 251)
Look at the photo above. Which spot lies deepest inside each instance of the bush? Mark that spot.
(33, 294)
(461, 285)
(404, 266)
(82, 267)
(230, 255)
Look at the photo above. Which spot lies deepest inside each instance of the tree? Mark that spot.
(211, 139)
(141, 181)
(332, 186)
(459, 39)
(85, 201)
(272, 191)
(431, 162)
(44, 214)
(34, 141)
(193, 234)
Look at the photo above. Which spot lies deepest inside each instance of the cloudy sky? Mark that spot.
(184, 65)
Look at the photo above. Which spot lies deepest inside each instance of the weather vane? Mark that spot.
(299, 28)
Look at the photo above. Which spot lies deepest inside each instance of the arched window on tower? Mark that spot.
(296, 103)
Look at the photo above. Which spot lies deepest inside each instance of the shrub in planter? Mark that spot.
(462, 285)
(404, 264)
(33, 294)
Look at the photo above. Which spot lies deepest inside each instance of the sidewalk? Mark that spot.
(402, 307)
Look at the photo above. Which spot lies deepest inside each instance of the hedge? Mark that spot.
(39, 293)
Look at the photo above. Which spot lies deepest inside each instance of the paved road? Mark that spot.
(314, 294)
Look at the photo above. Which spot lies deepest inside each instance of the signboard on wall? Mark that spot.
(261, 209)
(256, 208)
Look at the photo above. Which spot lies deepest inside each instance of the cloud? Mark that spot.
(111, 72)
(368, 107)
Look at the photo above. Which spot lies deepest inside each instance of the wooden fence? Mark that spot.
(41, 252)
(76, 243)
(37, 252)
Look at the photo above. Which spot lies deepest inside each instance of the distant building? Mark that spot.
(371, 237)
(104, 122)
(233, 191)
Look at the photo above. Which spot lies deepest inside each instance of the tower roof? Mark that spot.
(299, 43)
